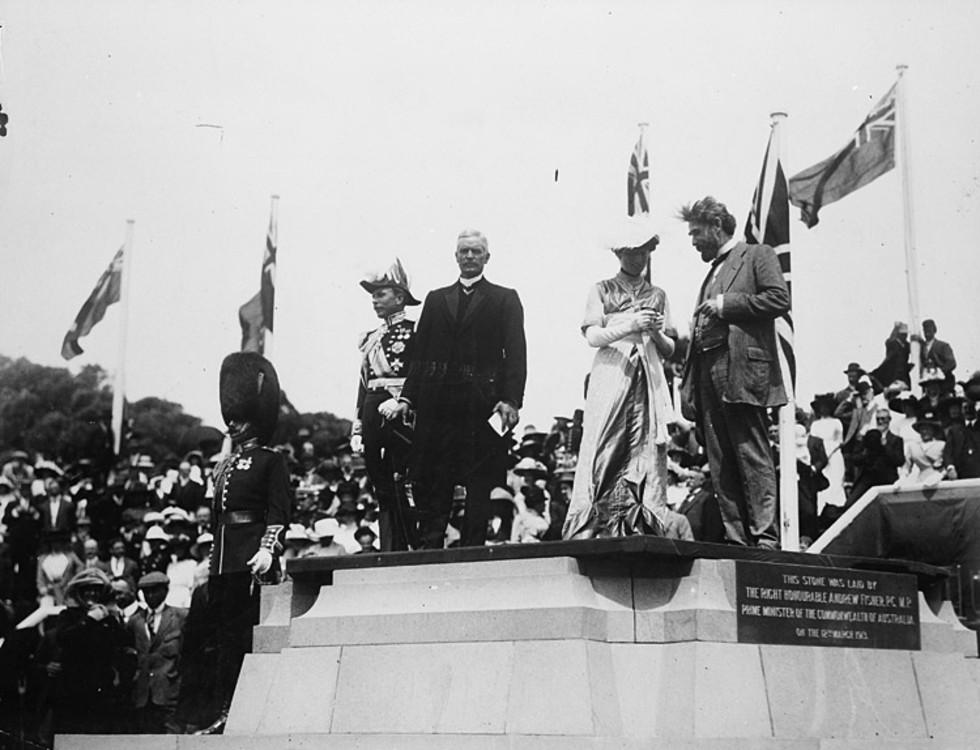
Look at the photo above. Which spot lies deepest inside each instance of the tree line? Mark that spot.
(66, 418)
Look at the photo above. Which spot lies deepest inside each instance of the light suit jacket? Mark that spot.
(754, 294)
(158, 660)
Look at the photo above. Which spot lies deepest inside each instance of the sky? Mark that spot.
(387, 127)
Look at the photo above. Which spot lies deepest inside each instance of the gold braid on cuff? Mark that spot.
(271, 539)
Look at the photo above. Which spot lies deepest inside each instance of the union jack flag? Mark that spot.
(880, 123)
(638, 180)
(268, 286)
(768, 224)
(255, 316)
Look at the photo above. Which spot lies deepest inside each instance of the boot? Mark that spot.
(217, 726)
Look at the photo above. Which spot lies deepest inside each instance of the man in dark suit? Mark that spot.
(106, 512)
(158, 633)
(811, 460)
(118, 566)
(876, 457)
(187, 492)
(844, 398)
(468, 370)
(57, 510)
(935, 353)
(732, 374)
(856, 415)
(961, 454)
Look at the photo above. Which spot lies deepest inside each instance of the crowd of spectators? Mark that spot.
(874, 431)
(99, 575)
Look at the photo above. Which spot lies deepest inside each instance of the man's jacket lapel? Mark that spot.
(731, 266)
(452, 301)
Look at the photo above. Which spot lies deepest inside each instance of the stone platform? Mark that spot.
(619, 643)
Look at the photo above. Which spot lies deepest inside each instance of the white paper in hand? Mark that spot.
(496, 423)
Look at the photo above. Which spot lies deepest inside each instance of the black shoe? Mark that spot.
(218, 727)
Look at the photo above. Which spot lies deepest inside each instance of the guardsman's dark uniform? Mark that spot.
(252, 500)
(252, 504)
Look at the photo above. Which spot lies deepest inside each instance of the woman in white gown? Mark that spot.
(829, 429)
(621, 475)
(924, 458)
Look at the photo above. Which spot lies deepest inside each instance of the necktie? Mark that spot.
(149, 624)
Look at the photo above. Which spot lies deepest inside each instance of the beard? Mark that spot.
(708, 250)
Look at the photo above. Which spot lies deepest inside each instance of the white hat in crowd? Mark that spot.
(156, 533)
(325, 527)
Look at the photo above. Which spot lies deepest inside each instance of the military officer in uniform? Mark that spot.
(252, 503)
(385, 354)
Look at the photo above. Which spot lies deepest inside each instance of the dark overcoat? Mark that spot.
(481, 352)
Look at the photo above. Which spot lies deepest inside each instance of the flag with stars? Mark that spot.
(638, 180)
(768, 224)
(106, 292)
(868, 155)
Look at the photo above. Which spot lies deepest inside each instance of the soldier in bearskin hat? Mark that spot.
(386, 439)
(961, 454)
(252, 502)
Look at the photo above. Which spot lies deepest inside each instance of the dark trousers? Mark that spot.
(235, 606)
(386, 448)
(154, 719)
(476, 510)
(737, 443)
(807, 502)
(459, 448)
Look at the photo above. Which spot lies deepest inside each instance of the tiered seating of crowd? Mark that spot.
(90, 561)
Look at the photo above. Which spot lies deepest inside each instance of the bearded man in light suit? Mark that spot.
(732, 374)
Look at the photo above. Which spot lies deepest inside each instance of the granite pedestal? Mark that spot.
(629, 643)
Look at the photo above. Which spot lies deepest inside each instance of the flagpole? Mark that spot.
(119, 384)
(789, 506)
(911, 260)
(267, 335)
(648, 271)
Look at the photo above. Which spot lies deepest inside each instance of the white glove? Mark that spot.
(98, 612)
(260, 562)
(357, 443)
(599, 336)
